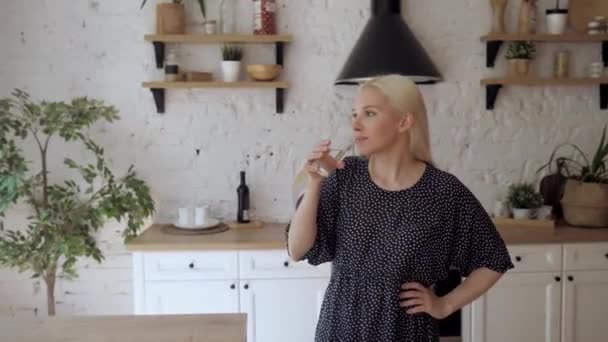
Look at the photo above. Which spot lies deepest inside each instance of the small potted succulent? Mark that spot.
(520, 54)
(231, 64)
(524, 200)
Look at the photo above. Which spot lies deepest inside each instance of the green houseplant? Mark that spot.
(585, 192)
(231, 62)
(523, 199)
(520, 54)
(65, 215)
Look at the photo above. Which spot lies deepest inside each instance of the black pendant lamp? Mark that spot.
(388, 46)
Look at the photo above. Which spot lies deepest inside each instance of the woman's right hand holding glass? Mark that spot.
(320, 163)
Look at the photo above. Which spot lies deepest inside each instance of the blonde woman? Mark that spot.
(392, 224)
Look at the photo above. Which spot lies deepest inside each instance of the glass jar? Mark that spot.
(171, 66)
(561, 66)
(264, 17)
(227, 17)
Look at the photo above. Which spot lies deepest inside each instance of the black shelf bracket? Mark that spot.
(605, 53)
(159, 99)
(492, 47)
(280, 92)
(279, 53)
(492, 91)
(159, 54)
(280, 98)
(604, 96)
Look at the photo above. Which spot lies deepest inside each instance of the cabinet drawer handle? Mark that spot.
(286, 264)
(570, 278)
(191, 265)
(246, 286)
(558, 279)
(232, 287)
(518, 258)
(606, 255)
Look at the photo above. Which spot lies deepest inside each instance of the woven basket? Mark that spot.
(585, 204)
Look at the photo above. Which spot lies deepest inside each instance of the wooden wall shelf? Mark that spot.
(158, 89)
(215, 84)
(199, 38)
(495, 40)
(493, 86)
(159, 41)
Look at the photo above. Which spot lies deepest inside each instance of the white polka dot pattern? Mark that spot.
(379, 239)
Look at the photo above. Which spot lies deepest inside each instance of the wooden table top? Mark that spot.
(145, 328)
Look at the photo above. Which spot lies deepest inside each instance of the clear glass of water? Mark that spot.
(342, 143)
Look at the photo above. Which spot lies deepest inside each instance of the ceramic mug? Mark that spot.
(201, 215)
(184, 217)
(596, 69)
(544, 212)
(501, 209)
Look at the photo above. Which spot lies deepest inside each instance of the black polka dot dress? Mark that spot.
(378, 239)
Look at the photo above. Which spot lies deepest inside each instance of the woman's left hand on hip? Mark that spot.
(418, 299)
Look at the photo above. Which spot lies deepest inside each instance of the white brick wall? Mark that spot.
(58, 49)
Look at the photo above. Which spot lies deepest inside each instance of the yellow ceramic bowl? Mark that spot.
(264, 72)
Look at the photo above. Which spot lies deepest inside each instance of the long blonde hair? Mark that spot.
(404, 96)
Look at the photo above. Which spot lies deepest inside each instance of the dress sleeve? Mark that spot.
(324, 247)
(476, 241)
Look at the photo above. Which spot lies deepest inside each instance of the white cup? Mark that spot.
(501, 210)
(596, 69)
(557, 21)
(185, 218)
(201, 215)
(544, 212)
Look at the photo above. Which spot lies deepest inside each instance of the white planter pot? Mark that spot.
(522, 214)
(231, 70)
(557, 21)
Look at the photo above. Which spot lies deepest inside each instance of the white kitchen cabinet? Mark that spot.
(282, 310)
(282, 298)
(586, 306)
(554, 293)
(191, 297)
(523, 307)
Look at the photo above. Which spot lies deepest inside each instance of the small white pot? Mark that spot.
(557, 21)
(522, 214)
(231, 71)
(210, 27)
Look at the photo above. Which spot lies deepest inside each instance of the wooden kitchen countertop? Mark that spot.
(272, 236)
(144, 328)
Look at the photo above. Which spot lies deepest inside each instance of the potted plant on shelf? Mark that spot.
(585, 193)
(520, 54)
(231, 64)
(523, 199)
(65, 215)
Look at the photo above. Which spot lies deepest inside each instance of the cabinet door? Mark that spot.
(282, 309)
(586, 306)
(523, 307)
(191, 297)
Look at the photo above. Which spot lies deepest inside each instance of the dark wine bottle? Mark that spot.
(243, 201)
